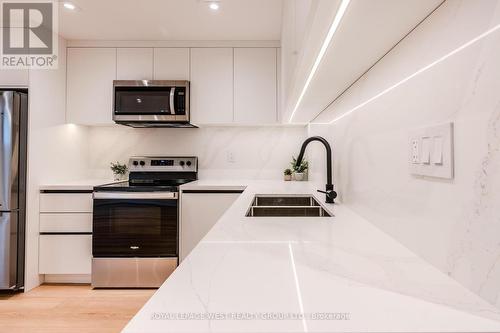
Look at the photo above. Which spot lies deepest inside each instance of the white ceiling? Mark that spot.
(171, 20)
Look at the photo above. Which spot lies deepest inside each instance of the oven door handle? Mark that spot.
(136, 195)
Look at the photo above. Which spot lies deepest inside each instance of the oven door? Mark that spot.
(128, 224)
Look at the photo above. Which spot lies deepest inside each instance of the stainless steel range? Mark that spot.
(135, 241)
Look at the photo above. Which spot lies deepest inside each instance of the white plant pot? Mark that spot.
(299, 176)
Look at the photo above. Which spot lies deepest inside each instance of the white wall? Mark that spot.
(259, 152)
(295, 23)
(56, 151)
(455, 225)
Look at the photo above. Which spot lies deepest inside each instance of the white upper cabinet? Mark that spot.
(90, 75)
(14, 78)
(171, 64)
(211, 85)
(255, 85)
(134, 64)
(228, 85)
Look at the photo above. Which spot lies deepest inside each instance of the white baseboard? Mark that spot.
(67, 278)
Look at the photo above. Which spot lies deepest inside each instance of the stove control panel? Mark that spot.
(164, 164)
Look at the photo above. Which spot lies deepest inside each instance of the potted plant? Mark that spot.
(119, 170)
(288, 174)
(299, 170)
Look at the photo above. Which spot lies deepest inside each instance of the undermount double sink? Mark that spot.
(286, 206)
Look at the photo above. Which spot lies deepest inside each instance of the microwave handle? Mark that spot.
(172, 97)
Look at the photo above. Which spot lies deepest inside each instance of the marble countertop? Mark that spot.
(338, 274)
(217, 185)
(75, 185)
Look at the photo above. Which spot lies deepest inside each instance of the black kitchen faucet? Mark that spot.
(330, 193)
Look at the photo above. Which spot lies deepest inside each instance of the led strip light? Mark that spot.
(326, 43)
(420, 71)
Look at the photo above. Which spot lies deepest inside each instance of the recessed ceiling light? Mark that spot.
(214, 6)
(69, 5)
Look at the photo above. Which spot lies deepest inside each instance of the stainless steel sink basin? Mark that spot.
(286, 206)
(265, 200)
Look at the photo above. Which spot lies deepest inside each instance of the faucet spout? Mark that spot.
(330, 193)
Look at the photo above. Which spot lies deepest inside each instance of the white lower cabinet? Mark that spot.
(65, 254)
(65, 251)
(66, 222)
(199, 212)
(66, 202)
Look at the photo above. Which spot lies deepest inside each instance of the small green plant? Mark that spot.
(118, 168)
(287, 172)
(304, 165)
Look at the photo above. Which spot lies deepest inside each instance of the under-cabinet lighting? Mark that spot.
(331, 32)
(420, 71)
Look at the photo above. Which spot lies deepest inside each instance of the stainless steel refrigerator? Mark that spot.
(13, 143)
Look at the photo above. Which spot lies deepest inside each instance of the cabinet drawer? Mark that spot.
(63, 222)
(65, 202)
(65, 254)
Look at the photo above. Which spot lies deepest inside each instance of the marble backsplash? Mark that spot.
(223, 152)
(453, 224)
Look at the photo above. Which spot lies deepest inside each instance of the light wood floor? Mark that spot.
(67, 309)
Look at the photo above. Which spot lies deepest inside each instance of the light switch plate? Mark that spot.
(431, 151)
(230, 157)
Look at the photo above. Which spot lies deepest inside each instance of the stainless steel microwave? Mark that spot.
(151, 103)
